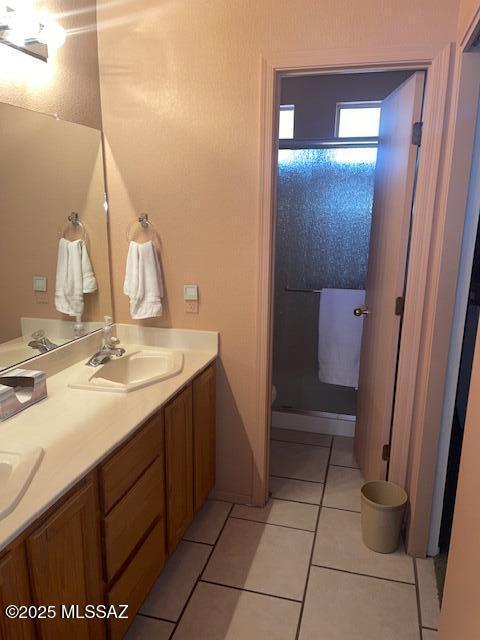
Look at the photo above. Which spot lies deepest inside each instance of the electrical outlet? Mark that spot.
(191, 306)
(41, 297)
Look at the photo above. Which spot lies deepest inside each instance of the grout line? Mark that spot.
(260, 593)
(364, 575)
(306, 444)
(345, 466)
(274, 524)
(429, 628)
(312, 504)
(205, 544)
(417, 593)
(152, 617)
(309, 568)
(326, 506)
(202, 571)
(301, 479)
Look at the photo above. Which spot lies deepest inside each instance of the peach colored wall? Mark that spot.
(53, 168)
(460, 617)
(180, 83)
(466, 13)
(68, 83)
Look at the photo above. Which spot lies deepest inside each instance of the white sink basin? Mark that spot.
(132, 371)
(18, 465)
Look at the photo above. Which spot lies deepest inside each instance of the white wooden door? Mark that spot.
(391, 216)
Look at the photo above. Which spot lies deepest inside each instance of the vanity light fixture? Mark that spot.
(25, 30)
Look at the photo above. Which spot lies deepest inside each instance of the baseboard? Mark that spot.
(328, 424)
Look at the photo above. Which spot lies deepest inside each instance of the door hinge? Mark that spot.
(399, 305)
(417, 133)
(386, 452)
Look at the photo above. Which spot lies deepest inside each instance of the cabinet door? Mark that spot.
(65, 566)
(204, 435)
(15, 589)
(179, 466)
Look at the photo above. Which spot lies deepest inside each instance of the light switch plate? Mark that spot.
(39, 283)
(190, 292)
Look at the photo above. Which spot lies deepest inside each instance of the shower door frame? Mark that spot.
(415, 350)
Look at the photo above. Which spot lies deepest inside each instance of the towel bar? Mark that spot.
(292, 290)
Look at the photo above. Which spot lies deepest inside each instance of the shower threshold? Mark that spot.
(335, 424)
(315, 412)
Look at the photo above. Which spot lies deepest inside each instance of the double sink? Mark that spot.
(139, 367)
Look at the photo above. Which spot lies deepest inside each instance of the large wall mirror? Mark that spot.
(54, 255)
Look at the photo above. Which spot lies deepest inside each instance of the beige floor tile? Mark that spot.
(428, 634)
(302, 437)
(220, 613)
(427, 590)
(342, 452)
(343, 488)
(170, 592)
(288, 514)
(344, 606)
(261, 557)
(149, 629)
(288, 489)
(208, 522)
(300, 461)
(339, 545)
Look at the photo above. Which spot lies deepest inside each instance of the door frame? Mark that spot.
(437, 62)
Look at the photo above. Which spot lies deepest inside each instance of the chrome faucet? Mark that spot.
(109, 348)
(41, 342)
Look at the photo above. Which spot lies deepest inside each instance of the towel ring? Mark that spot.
(145, 224)
(74, 221)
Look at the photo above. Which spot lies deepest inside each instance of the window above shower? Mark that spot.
(357, 119)
(286, 125)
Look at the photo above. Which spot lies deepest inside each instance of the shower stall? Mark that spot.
(324, 208)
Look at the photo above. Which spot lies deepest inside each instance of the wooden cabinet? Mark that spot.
(137, 579)
(15, 589)
(106, 542)
(65, 565)
(126, 465)
(127, 524)
(203, 435)
(179, 466)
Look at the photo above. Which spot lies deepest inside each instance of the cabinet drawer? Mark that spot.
(124, 468)
(130, 519)
(137, 579)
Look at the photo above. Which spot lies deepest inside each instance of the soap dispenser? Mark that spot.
(107, 331)
(78, 327)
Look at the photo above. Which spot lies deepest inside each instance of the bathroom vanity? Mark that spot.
(121, 480)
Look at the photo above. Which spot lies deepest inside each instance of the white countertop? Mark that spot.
(78, 428)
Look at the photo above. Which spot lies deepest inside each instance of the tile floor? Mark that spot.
(296, 569)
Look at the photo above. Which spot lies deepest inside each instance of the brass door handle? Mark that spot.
(361, 311)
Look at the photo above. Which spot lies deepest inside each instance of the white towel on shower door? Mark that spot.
(143, 281)
(339, 336)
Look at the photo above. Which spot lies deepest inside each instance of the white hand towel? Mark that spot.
(339, 336)
(143, 281)
(74, 277)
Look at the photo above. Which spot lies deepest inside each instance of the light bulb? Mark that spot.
(52, 34)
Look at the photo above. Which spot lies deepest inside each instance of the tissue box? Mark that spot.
(19, 389)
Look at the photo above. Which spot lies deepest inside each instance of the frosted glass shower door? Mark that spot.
(324, 207)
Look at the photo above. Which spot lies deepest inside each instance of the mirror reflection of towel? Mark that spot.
(143, 281)
(339, 336)
(74, 277)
